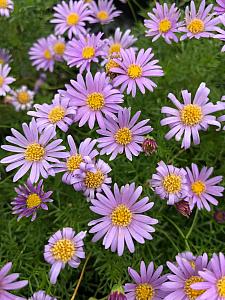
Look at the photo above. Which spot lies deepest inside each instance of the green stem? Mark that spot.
(132, 11)
(171, 241)
(177, 228)
(193, 224)
(138, 5)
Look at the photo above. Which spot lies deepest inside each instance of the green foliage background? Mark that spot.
(186, 65)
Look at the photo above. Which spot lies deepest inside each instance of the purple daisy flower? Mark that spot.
(58, 45)
(95, 98)
(22, 98)
(164, 21)
(6, 7)
(212, 285)
(92, 178)
(58, 114)
(65, 246)
(169, 183)
(42, 54)
(122, 218)
(220, 9)
(188, 118)
(147, 284)
(135, 71)
(202, 189)
(29, 199)
(41, 295)
(199, 24)
(5, 56)
(85, 50)
(34, 152)
(77, 158)
(71, 17)
(5, 80)
(221, 32)
(104, 12)
(123, 134)
(9, 283)
(184, 274)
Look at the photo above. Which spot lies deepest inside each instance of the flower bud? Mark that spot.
(149, 146)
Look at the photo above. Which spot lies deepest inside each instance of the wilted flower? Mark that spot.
(183, 208)
(149, 145)
(219, 216)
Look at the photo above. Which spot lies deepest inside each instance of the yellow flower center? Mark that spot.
(73, 162)
(88, 52)
(144, 291)
(59, 48)
(134, 71)
(1, 81)
(23, 97)
(33, 200)
(102, 15)
(191, 114)
(165, 25)
(193, 265)
(94, 180)
(56, 114)
(123, 136)
(63, 250)
(47, 54)
(196, 26)
(95, 101)
(121, 216)
(111, 64)
(172, 183)
(34, 152)
(114, 48)
(221, 287)
(191, 293)
(72, 19)
(198, 187)
(1, 61)
(3, 3)
(88, 1)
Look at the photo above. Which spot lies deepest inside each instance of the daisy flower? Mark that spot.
(220, 8)
(65, 246)
(164, 21)
(33, 151)
(30, 198)
(212, 285)
(95, 98)
(221, 33)
(6, 7)
(58, 114)
(147, 284)
(123, 134)
(5, 56)
(169, 183)
(42, 54)
(92, 178)
(85, 50)
(122, 218)
(136, 71)
(104, 12)
(199, 24)
(58, 45)
(188, 256)
(5, 80)
(77, 158)
(22, 99)
(202, 189)
(9, 283)
(184, 274)
(41, 295)
(188, 118)
(71, 18)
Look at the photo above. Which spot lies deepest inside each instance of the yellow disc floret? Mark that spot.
(34, 152)
(23, 97)
(115, 48)
(111, 64)
(198, 187)
(56, 114)
(172, 183)
(221, 287)
(102, 15)
(63, 250)
(165, 25)
(3, 3)
(121, 216)
(94, 180)
(123, 136)
(144, 291)
(191, 293)
(33, 200)
(47, 54)
(88, 52)
(59, 48)
(191, 114)
(134, 71)
(73, 162)
(196, 26)
(95, 101)
(1, 81)
(72, 19)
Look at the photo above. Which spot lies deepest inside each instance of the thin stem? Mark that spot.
(177, 228)
(81, 276)
(193, 224)
(171, 241)
(138, 5)
(132, 11)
